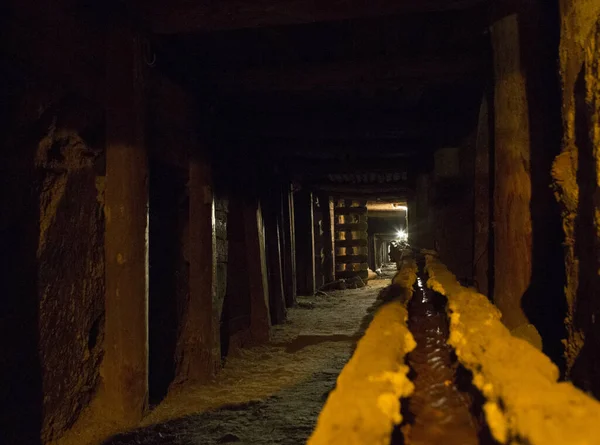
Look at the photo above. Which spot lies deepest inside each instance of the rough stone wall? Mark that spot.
(577, 179)
(53, 222)
(51, 218)
(71, 267)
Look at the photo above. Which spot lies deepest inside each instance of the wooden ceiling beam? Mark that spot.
(369, 162)
(186, 16)
(390, 73)
(387, 189)
(318, 173)
(405, 130)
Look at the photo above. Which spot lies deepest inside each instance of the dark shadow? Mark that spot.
(586, 369)
(544, 301)
(20, 369)
(21, 395)
(167, 286)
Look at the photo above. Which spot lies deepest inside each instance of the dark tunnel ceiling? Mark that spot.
(390, 84)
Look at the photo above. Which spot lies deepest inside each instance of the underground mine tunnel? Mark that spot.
(288, 222)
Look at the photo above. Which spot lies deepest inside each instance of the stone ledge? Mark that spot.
(524, 401)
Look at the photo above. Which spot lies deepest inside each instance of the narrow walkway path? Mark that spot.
(271, 394)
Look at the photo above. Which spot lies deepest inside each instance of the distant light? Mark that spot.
(402, 235)
(399, 207)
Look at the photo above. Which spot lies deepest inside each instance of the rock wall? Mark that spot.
(576, 174)
(53, 223)
(51, 218)
(70, 266)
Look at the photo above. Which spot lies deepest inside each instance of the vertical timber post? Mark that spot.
(125, 367)
(328, 238)
(273, 245)
(260, 320)
(305, 242)
(512, 175)
(289, 235)
(198, 354)
(482, 201)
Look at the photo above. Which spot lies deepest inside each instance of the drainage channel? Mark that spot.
(445, 407)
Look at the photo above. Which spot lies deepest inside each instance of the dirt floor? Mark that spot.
(270, 394)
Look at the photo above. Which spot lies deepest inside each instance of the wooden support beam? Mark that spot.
(305, 242)
(377, 163)
(289, 243)
(125, 365)
(483, 205)
(318, 237)
(341, 75)
(341, 155)
(183, 16)
(328, 237)
(425, 124)
(375, 190)
(272, 201)
(198, 347)
(260, 319)
(421, 233)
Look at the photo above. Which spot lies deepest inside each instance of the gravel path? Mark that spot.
(270, 394)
